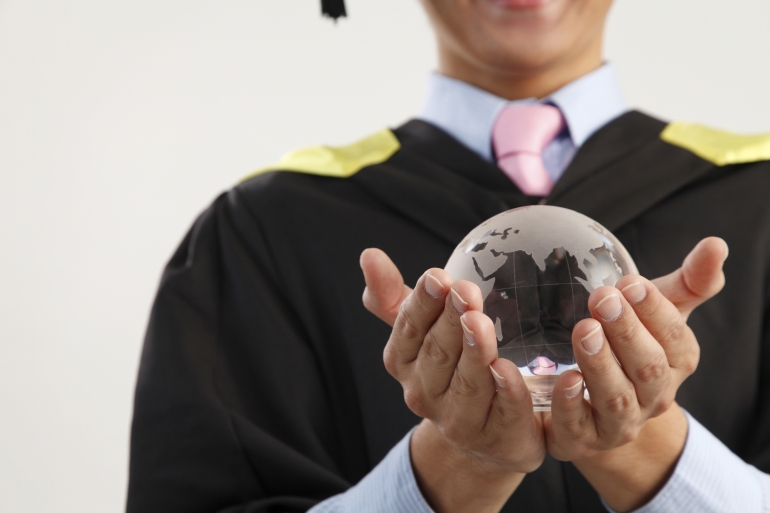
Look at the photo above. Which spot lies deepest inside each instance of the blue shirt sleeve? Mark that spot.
(389, 488)
(710, 478)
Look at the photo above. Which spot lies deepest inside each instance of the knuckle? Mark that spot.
(435, 352)
(691, 360)
(662, 406)
(576, 427)
(627, 334)
(461, 386)
(668, 399)
(654, 370)
(628, 434)
(415, 400)
(675, 330)
(406, 327)
(621, 404)
(389, 359)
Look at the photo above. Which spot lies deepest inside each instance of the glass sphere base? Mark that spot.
(541, 388)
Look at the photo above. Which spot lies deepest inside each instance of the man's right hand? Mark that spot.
(479, 435)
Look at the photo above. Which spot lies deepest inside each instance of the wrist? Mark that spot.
(452, 479)
(628, 477)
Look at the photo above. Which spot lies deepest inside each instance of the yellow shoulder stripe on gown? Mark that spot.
(717, 146)
(339, 162)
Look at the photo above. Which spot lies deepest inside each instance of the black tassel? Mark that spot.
(333, 8)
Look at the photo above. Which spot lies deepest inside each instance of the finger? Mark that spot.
(700, 277)
(416, 315)
(385, 289)
(443, 344)
(613, 395)
(571, 424)
(512, 410)
(664, 322)
(472, 387)
(642, 357)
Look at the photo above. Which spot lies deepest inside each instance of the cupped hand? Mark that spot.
(443, 351)
(633, 355)
(627, 439)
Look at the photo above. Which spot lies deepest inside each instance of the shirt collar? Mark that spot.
(469, 113)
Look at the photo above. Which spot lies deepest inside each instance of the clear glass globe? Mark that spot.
(536, 267)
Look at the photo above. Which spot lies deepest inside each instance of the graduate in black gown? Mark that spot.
(262, 386)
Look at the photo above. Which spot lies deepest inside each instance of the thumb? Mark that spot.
(700, 278)
(385, 289)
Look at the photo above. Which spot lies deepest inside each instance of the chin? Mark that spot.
(525, 39)
(519, 55)
(487, 41)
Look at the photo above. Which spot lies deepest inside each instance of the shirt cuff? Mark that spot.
(710, 478)
(389, 488)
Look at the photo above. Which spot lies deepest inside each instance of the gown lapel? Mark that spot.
(440, 184)
(624, 170)
(610, 143)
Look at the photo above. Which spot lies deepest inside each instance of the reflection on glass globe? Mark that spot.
(536, 267)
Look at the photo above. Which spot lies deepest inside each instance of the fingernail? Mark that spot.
(594, 341)
(574, 390)
(459, 303)
(609, 308)
(433, 286)
(727, 249)
(469, 335)
(498, 378)
(634, 293)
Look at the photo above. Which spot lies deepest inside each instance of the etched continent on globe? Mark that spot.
(536, 267)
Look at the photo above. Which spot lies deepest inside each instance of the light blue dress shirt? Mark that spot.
(708, 477)
(468, 113)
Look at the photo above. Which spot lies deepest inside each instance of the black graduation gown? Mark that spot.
(261, 386)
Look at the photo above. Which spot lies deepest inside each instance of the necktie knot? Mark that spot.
(520, 134)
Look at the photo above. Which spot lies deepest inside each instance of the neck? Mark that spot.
(515, 84)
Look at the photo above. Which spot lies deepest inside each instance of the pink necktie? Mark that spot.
(518, 138)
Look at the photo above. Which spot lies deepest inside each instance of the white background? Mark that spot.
(120, 120)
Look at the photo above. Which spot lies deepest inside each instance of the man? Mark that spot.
(262, 387)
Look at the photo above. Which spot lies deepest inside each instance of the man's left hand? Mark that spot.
(633, 355)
